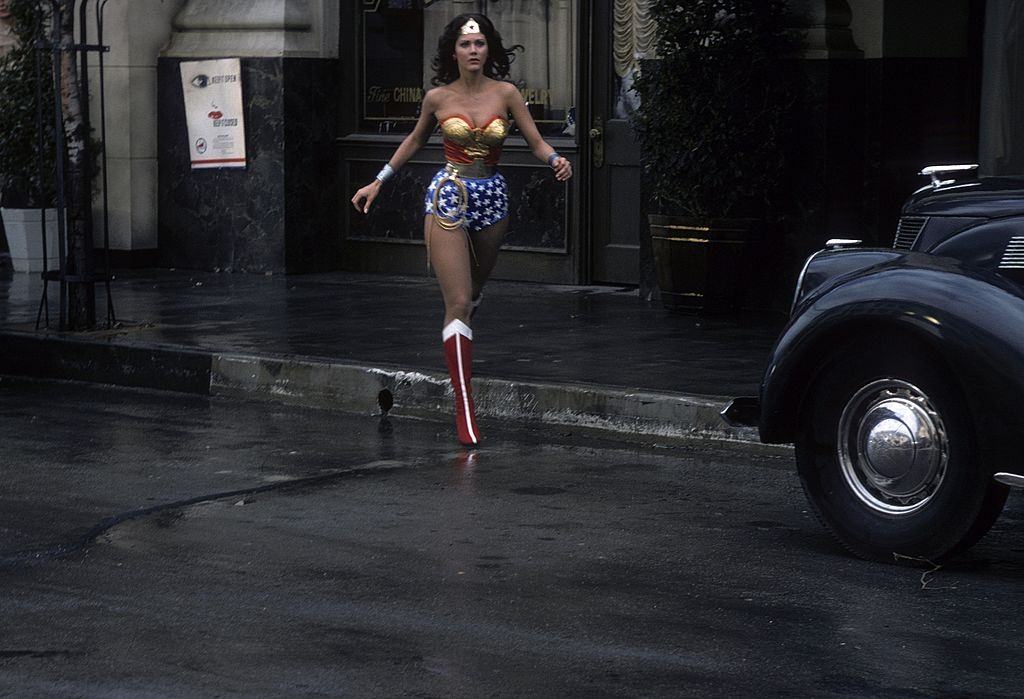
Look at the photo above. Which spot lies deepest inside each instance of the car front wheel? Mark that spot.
(888, 459)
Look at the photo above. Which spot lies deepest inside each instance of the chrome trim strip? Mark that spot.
(840, 243)
(1011, 479)
(1013, 254)
(800, 282)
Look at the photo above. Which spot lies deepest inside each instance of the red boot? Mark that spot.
(458, 351)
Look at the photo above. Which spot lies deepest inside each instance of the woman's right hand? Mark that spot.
(365, 196)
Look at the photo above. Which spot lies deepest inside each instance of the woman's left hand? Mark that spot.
(562, 168)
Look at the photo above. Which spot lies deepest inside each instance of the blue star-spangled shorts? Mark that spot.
(488, 200)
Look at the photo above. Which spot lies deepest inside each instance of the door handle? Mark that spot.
(597, 143)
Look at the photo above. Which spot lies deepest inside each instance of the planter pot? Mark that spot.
(702, 265)
(25, 239)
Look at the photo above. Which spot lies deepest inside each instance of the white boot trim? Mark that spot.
(456, 327)
(465, 393)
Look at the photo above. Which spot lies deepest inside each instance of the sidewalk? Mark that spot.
(592, 357)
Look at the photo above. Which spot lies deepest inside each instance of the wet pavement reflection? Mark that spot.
(599, 335)
(347, 561)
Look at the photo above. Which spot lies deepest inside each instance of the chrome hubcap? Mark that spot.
(892, 447)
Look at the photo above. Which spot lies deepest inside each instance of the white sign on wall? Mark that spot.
(213, 110)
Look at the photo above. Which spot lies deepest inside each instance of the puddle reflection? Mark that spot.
(464, 467)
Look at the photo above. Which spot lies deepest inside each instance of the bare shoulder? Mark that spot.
(434, 98)
(509, 94)
(508, 90)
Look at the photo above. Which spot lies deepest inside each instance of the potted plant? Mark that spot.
(26, 195)
(713, 110)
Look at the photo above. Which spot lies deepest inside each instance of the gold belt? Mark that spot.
(453, 219)
(475, 170)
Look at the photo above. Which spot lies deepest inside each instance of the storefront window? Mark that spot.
(399, 40)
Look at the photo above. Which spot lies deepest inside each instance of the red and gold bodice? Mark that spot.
(466, 144)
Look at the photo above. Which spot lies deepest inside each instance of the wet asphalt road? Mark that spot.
(136, 559)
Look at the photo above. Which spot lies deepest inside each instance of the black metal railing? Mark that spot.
(53, 11)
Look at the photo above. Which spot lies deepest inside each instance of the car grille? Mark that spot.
(907, 232)
(1013, 255)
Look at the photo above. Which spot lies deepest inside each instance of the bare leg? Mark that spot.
(451, 260)
(486, 244)
(450, 257)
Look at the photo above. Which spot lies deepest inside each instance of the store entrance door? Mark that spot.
(614, 166)
(388, 47)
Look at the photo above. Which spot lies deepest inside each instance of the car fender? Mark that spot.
(971, 320)
(982, 246)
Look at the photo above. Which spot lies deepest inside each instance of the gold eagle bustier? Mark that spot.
(464, 143)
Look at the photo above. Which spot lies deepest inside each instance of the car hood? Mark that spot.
(986, 197)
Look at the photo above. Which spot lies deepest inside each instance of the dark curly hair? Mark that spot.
(499, 58)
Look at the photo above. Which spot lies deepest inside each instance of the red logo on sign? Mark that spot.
(215, 115)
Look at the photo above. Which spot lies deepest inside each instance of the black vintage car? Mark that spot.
(900, 375)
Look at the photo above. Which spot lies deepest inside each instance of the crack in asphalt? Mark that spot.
(7, 654)
(18, 559)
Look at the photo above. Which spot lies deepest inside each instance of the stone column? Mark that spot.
(135, 32)
(279, 213)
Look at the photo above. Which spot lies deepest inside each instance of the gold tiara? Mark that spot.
(470, 27)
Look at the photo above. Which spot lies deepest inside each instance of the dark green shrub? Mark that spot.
(714, 106)
(20, 182)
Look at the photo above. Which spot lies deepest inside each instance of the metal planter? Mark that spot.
(25, 239)
(702, 265)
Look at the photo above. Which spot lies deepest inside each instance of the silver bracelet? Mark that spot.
(552, 158)
(385, 173)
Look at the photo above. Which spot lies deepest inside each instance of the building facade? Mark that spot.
(331, 88)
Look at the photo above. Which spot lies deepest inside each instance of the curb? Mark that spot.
(354, 387)
(50, 355)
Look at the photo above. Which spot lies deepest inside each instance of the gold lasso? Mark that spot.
(450, 223)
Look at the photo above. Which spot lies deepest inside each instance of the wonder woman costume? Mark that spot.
(469, 192)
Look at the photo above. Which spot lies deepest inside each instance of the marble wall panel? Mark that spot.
(277, 214)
